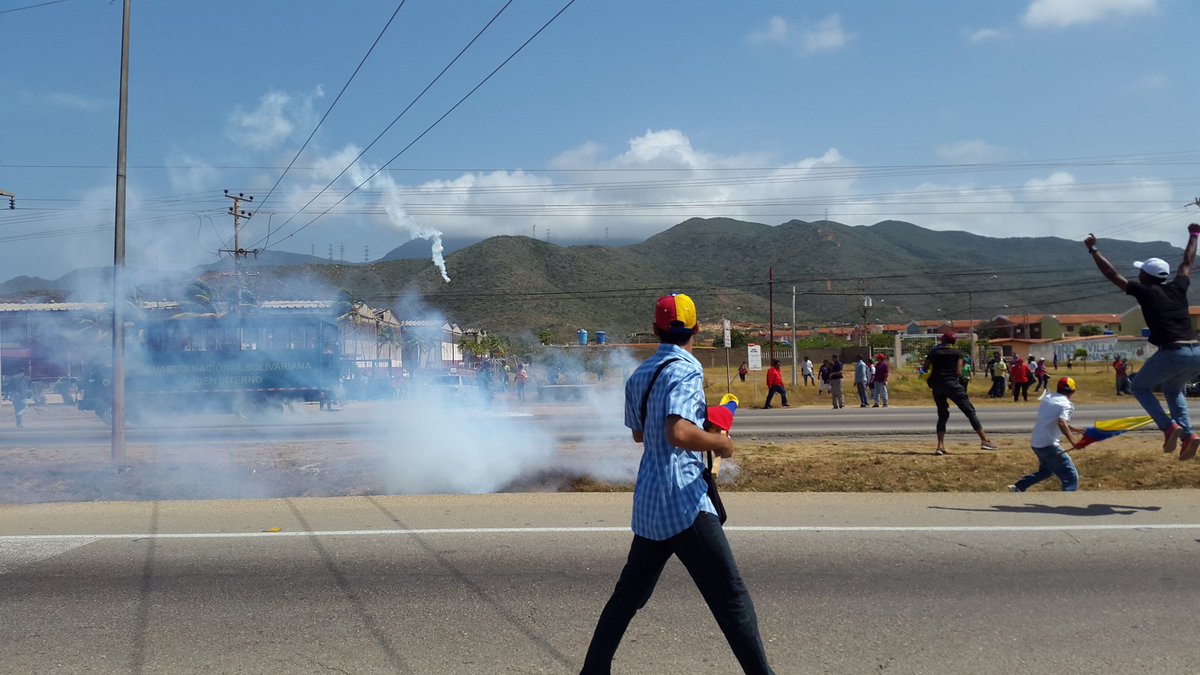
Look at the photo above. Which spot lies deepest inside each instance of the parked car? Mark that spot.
(1192, 390)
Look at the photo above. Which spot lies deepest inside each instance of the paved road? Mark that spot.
(949, 583)
(57, 425)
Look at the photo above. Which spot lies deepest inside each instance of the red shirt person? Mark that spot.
(775, 384)
(1022, 377)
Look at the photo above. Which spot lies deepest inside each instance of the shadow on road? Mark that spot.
(1089, 510)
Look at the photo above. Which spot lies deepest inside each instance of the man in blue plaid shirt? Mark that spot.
(672, 514)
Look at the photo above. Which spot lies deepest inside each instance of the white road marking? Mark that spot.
(18, 551)
(815, 529)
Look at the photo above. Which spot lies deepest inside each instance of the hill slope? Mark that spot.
(515, 284)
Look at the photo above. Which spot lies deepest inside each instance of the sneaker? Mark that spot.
(987, 446)
(1014, 488)
(939, 451)
(1190, 444)
(875, 406)
(1171, 438)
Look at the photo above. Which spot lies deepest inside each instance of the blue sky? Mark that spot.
(620, 119)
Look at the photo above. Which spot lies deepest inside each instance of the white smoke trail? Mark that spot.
(394, 205)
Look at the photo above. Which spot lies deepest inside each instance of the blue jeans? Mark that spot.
(704, 551)
(771, 394)
(1052, 461)
(1170, 369)
(879, 393)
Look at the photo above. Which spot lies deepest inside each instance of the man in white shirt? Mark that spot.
(1053, 422)
(807, 371)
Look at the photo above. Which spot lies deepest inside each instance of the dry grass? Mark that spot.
(907, 464)
(1096, 384)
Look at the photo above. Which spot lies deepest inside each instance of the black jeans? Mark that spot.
(997, 388)
(943, 393)
(771, 394)
(704, 551)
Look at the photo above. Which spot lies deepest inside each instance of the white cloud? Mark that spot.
(986, 35)
(776, 31)
(971, 152)
(189, 174)
(808, 37)
(63, 100)
(1153, 81)
(824, 36)
(274, 121)
(1067, 13)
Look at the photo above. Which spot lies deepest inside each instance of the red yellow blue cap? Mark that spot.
(1066, 384)
(675, 313)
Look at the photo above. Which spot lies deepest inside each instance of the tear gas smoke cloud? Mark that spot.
(431, 443)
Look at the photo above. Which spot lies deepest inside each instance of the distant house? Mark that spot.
(1133, 323)
(1104, 347)
(1021, 348)
(1023, 326)
(1071, 323)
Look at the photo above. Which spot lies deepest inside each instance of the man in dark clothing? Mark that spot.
(944, 365)
(1165, 307)
(835, 383)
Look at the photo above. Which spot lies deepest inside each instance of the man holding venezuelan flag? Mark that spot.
(1053, 422)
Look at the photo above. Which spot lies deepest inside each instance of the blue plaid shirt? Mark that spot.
(670, 490)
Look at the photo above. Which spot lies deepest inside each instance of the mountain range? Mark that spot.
(520, 284)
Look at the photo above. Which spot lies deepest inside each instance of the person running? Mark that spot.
(1041, 376)
(944, 364)
(742, 370)
(672, 513)
(775, 384)
(1053, 422)
(1165, 307)
(823, 384)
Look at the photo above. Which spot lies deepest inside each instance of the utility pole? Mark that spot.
(118, 328)
(771, 302)
(794, 350)
(12, 199)
(238, 252)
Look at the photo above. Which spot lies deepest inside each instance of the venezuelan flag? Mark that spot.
(1106, 429)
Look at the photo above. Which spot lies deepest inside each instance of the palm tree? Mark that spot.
(201, 294)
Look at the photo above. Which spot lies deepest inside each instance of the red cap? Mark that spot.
(949, 338)
(880, 357)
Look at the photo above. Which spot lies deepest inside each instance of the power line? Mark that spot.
(40, 4)
(330, 108)
(393, 122)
